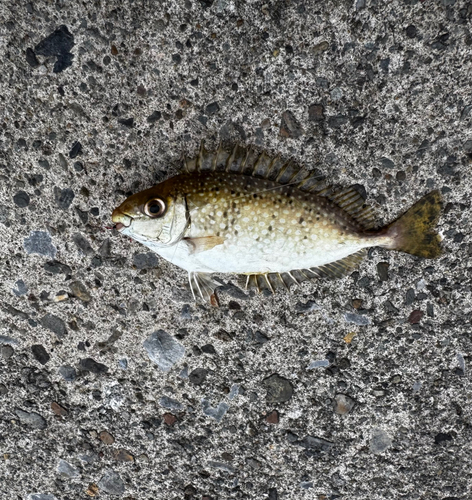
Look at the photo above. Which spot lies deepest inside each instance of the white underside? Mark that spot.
(227, 258)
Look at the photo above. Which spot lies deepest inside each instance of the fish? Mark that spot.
(241, 211)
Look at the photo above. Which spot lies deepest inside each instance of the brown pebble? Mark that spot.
(58, 409)
(356, 303)
(106, 437)
(169, 419)
(415, 316)
(114, 50)
(273, 417)
(121, 455)
(343, 404)
(92, 490)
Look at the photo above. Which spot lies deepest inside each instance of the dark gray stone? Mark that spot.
(82, 244)
(40, 353)
(68, 373)
(198, 376)
(33, 419)
(54, 324)
(279, 389)
(170, 404)
(39, 242)
(147, 260)
(21, 199)
(63, 197)
(112, 483)
(90, 365)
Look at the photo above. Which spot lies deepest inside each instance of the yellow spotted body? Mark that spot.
(244, 212)
(265, 227)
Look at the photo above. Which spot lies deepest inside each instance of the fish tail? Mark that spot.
(415, 231)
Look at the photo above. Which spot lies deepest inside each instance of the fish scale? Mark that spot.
(246, 212)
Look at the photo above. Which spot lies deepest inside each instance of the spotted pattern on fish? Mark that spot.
(241, 211)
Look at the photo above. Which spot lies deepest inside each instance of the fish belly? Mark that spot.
(250, 259)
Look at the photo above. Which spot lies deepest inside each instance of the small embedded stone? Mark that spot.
(21, 199)
(343, 404)
(415, 317)
(106, 438)
(289, 126)
(273, 417)
(122, 455)
(279, 389)
(169, 419)
(58, 409)
(40, 353)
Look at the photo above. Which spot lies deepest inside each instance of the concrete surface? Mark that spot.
(113, 383)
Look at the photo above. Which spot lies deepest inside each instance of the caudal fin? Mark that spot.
(414, 232)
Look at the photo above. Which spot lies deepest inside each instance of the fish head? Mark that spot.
(157, 215)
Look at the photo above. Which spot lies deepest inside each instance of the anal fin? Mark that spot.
(204, 287)
(336, 269)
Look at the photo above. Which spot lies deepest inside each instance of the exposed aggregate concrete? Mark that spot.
(113, 382)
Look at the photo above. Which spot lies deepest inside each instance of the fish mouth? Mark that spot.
(120, 219)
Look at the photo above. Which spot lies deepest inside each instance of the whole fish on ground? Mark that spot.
(241, 211)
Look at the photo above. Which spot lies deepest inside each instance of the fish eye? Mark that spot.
(155, 208)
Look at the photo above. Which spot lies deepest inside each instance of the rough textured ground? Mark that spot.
(112, 381)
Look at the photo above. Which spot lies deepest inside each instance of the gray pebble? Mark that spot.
(279, 389)
(32, 419)
(234, 391)
(63, 197)
(6, 351)
(21, 199)
(68, 373)
(163, 349)
(357, 319)
(379, 441)
(216, 413)
(54, 324)
(147, 260)
(40, 496)
(316, 444)
(82, 244)
(171, 404)
(318, 363)
(21, 288)
(39, 242)
(4, 339)
(221, 466)
(90, 365)
(112, 483)
(198, 376)
(67, 469)
(40, 353)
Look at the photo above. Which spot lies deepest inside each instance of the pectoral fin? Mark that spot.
(202, 285)
(204, 243)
